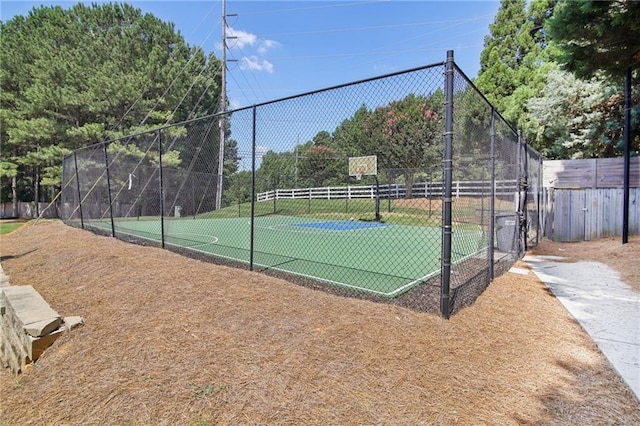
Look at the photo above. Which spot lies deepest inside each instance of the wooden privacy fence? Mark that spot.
(27, 210)
(588, 214)
(583, 199)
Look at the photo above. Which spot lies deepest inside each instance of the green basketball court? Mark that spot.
(381, 259)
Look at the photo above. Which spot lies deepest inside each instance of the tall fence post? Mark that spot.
(492, 201)
(539, 196)
(75, 161)
(518, 197)
(524, 184)
(253, 189)
(627, 155)
(162, 237)
(106, 162)
(445, 297)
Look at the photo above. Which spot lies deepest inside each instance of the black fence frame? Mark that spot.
(452, 297)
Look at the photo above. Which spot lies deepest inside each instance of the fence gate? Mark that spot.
(589, 214)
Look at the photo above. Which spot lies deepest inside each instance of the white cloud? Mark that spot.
(253, 63)
(234, 104)
(240, 39)
(264, 45)
(261, 150)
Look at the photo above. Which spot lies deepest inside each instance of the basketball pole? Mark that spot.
(377, 202)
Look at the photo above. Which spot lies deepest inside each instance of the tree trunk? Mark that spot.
(408, 182)
(14, 195)
(37, 191)
(14, 190)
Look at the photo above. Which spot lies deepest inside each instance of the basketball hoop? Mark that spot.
(363, 166)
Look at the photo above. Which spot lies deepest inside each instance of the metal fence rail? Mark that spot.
(272, 191)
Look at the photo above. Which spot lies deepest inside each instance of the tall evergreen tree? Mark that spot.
(516, 60)
(597, 36)
(74, 77)
(503, 53)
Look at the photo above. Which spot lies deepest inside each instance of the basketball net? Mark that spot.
(359, 173)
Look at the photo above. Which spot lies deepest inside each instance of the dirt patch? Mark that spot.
(434, 204)
(172, 340)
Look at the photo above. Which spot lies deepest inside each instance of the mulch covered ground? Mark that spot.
(172, 340)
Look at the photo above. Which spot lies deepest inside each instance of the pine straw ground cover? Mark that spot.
(172, 340)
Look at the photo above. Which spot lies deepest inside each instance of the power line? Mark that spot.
(353, 54)
(254, 78)
(329, 6)
(151, 82)
(380, 27)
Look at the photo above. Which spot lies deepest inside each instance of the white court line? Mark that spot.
(213, 239)
(338, 283)
(434, 273)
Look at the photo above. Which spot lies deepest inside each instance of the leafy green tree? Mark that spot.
(348, 137)
(579, 118)
(597, 36)
(239, 188)
(322, 166)
(74, 77)
(277, 170)
(406, 135)
(536, 63)
(598, 40)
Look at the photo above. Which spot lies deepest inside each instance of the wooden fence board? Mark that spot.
(583, 198)
(590, 173)
(610, 172)
(569, 173)
(588, 214)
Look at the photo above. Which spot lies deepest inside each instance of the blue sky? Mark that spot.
(288, 47)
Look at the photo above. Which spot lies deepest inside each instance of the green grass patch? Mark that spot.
(207, 391)
(338, 209)
(6, 227)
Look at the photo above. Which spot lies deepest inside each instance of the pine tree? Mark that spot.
(503, 53)
(597, 36)
(516, 60)
(74, 77)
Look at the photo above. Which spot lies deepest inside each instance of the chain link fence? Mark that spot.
(453, 203)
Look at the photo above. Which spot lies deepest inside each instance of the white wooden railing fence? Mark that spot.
(421, 189)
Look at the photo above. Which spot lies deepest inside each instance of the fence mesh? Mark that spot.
(269, 188)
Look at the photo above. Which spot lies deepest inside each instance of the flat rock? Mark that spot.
(4, 280)
(33, 311)
(73, 322)
(37, 345)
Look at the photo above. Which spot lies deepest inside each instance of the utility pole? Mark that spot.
(223, 107)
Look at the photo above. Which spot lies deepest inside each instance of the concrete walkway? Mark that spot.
(607, 309)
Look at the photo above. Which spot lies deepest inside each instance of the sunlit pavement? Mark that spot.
(607, 308)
